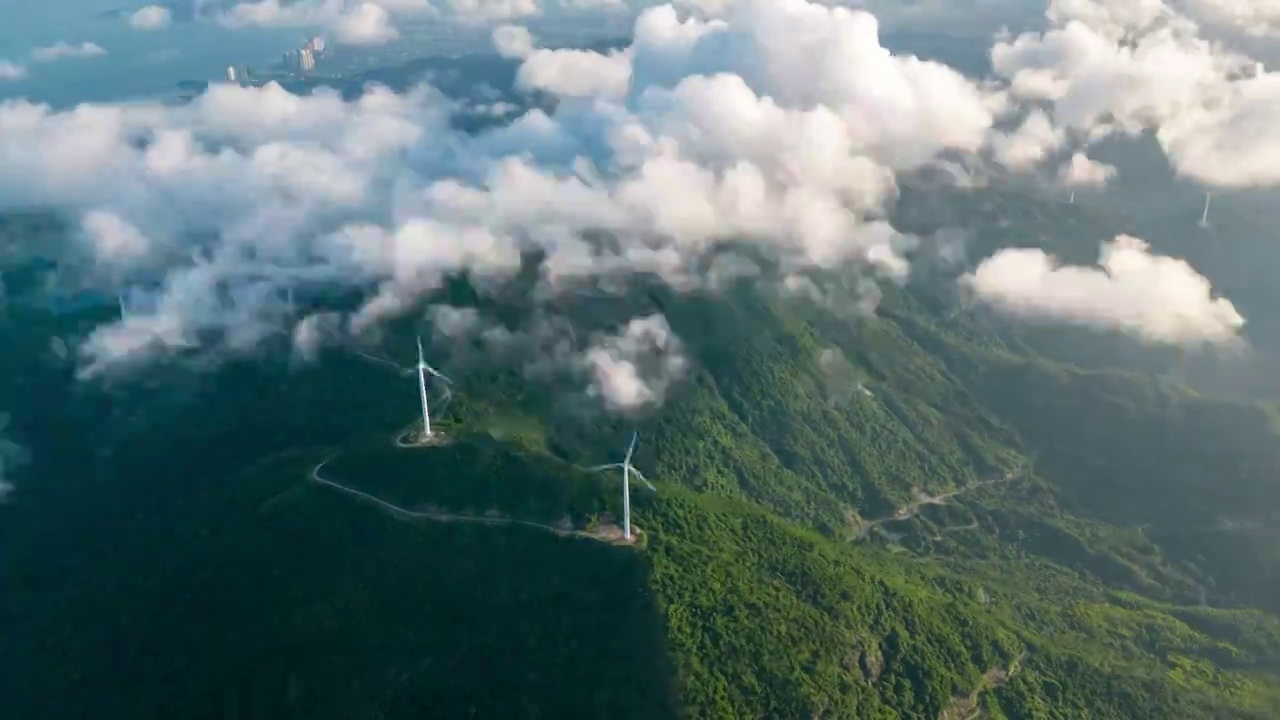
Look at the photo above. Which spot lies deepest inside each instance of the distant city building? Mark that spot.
(232, 75)
(304, 58)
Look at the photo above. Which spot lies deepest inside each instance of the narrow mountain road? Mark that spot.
(910, 510)
(605, 533)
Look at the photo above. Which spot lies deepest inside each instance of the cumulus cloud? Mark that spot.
(1035, 140)
(1083, 171)
(351, 22)
(454, 322)
(369, 22)
(699, 133)
(574, 73)
(635, 369)
(1110, 67)
(366, 24)
(314, 332)
(512, 41)
(1255, 17)
(490, 10)
(10, 70)
(1153, 297)
(62, 51)
(114, 241)
(1234, 142)
(151, 17)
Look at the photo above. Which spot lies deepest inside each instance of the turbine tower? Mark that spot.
(627, 470)
(626, 489)
(424, 368)
(1204, 219)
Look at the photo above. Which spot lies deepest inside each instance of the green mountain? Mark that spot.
(921, 513)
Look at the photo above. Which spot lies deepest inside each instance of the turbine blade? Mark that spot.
(435, 372)
(420, 356)
(605, 467)
(631, 448)
(643, 479)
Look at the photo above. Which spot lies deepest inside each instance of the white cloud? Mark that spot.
(453, 322)
(11, 71)
(1082, 171)
(366, 24)
(1035, 140)
(700, 132)
(115, 242)
(369, 22)
(1119, 16)
(1111, 66)
(151, 17)
(63, 51)
(1153, 297)
(575, 73)
(1232, 142)
(635, 369)
(489, 10)
(353, 22)
(512, 41)
(1254, 17)
(314, 332)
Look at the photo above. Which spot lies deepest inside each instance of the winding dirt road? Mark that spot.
(910, 510)
(605, 533)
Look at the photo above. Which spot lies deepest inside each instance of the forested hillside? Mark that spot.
(907, 513)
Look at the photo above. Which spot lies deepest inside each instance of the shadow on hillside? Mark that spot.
(267, 598)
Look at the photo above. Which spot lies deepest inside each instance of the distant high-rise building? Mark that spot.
(306, 60)
(317, 45)
(232, 75)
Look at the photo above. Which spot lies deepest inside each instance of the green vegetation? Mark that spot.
(1089, 509)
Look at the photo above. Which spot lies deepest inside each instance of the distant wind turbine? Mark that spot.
(627, 469)
(124, 310)
(1204, 219)
(1073, 197)
(423, 368)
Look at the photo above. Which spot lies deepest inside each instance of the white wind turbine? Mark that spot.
(627, 469)
(1204, 219)
(423, 368)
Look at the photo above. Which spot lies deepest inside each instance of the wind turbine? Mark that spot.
(423, 368)
(1204, 219)
(627, 469)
